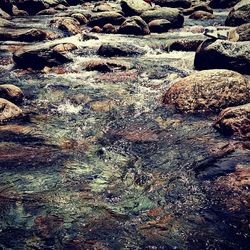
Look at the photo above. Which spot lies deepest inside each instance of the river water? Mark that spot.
(100, 163)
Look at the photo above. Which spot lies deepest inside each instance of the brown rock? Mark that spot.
(64, 47)
(8, 110)
(80, 18)
(68, 24)
(11, 93)
(109, 28)
(200, 14)
(208, 91)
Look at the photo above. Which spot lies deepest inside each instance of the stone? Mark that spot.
(80, 18)
(159, 25)
(184, 45)
(200, 14)
(240, 14)
(6, 6)
(102, 18)
(4, 15)
(17, 12)
(173, 15)
(234, 121)
(109, 28)
(64, 47)
(174, 3)
(217, 54)
(11, 93)
(96, 29)
(134, 26)
(220, 4)
(244, 32)
(208, 91)
(120, 49)
(8, 111)
(200, 6)
(67, 24)
(50, 11)
(31, 6)
(105, 66)
(134, 7)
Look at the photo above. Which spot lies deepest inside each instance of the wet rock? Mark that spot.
(120, 49)
(60, 7)
(159, 25)
(171, 14)
(17, 12)
(4, 15)
(103, 7)
(200, 14)
(80, 18)
(96, 29)
(8, 110)
(109, 29)
(87, 36)
(244, 32)
(234, 121)
(201, 6)
(134, 25)
(240, 14)
(50, 11)
(31, 35)
(223, 3)
(6, 6)
(64, 47)
(11, 93)
(37, 57)
(219, 54)
(184, 45)
(105, 66)
(6, 23)
(173, 3)
(67, 24)
(134, 7)
(208, 90)
(31, 6)
(102, 18)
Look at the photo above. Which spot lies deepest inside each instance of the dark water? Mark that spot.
(99, 162)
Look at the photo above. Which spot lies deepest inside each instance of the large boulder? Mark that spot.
(102, 18)
(173, 15)
(244, 32)
(11, 93)
(159, 25)
(134, 25)
(8, 111)
(120, 49)
(208, 91)
(31, 6)
(240, 14)
(221, 54)
(174, 3)
(223, 3)
(67, 24)
(134, 7)
(37, 57)
(7, 6)
(234, 121)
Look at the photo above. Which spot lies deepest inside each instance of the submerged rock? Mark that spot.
(134, 7)
(134, 25)
(240, 14)
(102, 18)
(208, 91)
(171, 14)
(11, 93)
(174, 3)
(8, 110)
(223, 54)
(120, 49)
(234, 121)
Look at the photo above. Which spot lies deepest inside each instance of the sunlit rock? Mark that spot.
(159, 25)
(11, 93)
(134, 7)
(67, 24)
(9, 110)
(244, 32)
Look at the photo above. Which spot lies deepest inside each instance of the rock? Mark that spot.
(31, 6)
(17, 12)
(67, 24)
(234, 121)
(64, 47)
(50, 11)
(244, 32)
(109, 29)
(200, 6)
(102, 18)
(120, 49)
(6, 23)
(213, 54)
(6, 6)
(208, 91)
(103, 7)
(135, 26)
(200, 14)
(8, 110)
(105, 66)
(240, 14)
(171, 14)
(173, 3)
(80, 18)
(11, 93)
(96, 29)
(37, 57)
(4, 15)
(184, 45)
(223, 3)
(159, 25)
(60, 7)
(134, 7)
(31, 35)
